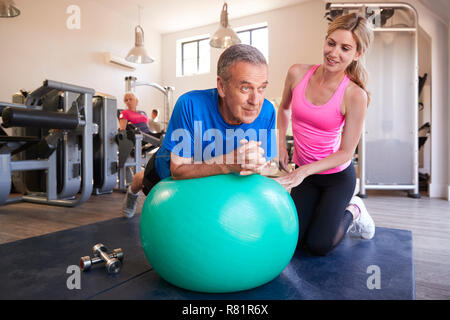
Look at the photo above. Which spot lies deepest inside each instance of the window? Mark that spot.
(194, 53)
(257, 36)
(195, 56)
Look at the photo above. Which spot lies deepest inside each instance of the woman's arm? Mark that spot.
(122, 124)
(355, 101)
(283, 122)
(294, 75)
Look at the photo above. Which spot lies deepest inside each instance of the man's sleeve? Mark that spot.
(271, 150)
(179, 137)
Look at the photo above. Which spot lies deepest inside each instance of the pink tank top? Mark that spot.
(133, 117)
(317, 129)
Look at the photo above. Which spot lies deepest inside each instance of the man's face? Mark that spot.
(243, 94)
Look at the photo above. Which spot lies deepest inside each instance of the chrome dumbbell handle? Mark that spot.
(112, 265)
(87, 262)
(117, 254)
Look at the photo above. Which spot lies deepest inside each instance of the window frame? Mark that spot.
(182, 43)
(251, 29)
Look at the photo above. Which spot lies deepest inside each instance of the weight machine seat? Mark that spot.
(20, 117)
(16, 144)
(19, 139)
(131, 126)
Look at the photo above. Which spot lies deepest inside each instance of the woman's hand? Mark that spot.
(284, 159)
(293, 178)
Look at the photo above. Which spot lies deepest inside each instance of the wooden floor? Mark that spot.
(428, 219)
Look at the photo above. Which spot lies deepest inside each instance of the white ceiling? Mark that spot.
(439, 7)
(167, 16)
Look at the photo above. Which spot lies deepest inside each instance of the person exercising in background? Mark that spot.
(153, 122)
(227, 129)
(130, 115)
(329, 103)
(155, 115)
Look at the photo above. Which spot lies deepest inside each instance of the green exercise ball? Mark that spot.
(222, 233)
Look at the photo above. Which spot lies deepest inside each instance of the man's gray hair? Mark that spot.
(237, 53)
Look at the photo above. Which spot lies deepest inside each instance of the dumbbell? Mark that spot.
(112, 260)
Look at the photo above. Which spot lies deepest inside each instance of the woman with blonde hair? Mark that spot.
(131, 115)
(329, 103)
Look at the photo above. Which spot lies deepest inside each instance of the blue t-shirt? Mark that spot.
(197, 130)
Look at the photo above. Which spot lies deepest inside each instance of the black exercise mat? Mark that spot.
(36, 268)
(346, 273)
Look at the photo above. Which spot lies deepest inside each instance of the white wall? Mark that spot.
(37, 45)
(448, 110)
(440, 142)
(425, 114)
(296, 35)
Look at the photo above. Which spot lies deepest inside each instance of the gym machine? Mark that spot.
(132, 151)
(135, 147)
(130, 156)
(104, 109)
(167, 91)
(63, 141)
(388, 150)
(71, 122)
(65, 145)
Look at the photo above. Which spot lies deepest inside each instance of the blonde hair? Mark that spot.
(363, 36)
(130, 93)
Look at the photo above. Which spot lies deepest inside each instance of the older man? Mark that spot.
(227, 129)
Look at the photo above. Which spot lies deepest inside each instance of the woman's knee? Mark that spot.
(319, 248)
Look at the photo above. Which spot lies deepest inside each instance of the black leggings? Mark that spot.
(321, 200)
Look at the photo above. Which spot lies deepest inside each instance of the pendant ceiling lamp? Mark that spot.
(224, 36)
(8, 9)
(138, 54)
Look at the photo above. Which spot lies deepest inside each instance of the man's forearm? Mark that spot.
(190, 171)
(247, 158)
(215, 166)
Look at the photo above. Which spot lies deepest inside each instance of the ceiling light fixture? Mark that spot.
(8, 9)
(138, 54)
(224, 36)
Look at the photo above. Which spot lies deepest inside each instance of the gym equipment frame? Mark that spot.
(78, 119)
(388, 152)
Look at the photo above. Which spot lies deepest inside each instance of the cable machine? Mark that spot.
(388, 149)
